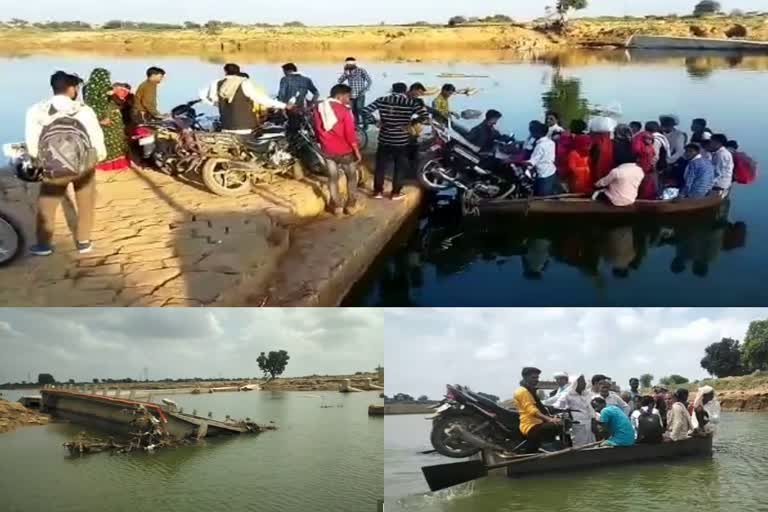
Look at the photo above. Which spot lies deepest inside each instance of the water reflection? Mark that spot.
(438, 249)
(565, 98)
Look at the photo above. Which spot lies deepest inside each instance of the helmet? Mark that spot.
(26, 170)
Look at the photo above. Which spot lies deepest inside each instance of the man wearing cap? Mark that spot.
(535, 425)
(561, 378)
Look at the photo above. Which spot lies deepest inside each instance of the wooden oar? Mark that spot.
(442, 476)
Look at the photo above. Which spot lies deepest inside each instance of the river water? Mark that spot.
(324, 459)
(731, 481)
(438, 261)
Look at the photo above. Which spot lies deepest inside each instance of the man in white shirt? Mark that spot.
(543, 160)
(64, 103)
(578, 398)
(561, 378)
(611, 398)
(236, 96)
(722, 159)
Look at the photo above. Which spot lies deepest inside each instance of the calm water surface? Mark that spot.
(324, 459)
(732, 481)
(436, 260)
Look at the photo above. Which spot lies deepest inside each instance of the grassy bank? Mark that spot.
(748, 393)
(372, 42)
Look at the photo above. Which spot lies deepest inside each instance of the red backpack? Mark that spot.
(744, 168)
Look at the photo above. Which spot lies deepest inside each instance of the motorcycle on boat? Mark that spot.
(454, 163)
(466, 422)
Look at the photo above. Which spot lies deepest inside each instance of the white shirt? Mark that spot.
(722, 159)
(211, 96)
(562, 390)
(543, 157)
(580, 403)
(555, 131)
(38, 117)
(614, 399)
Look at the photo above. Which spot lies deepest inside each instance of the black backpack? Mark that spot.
(65, 149)
(649, 428)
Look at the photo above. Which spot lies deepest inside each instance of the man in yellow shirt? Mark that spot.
(441, 105)
(535, 425)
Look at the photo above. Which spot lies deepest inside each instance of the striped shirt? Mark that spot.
(699, 177)
(358, 79)
(397, 112)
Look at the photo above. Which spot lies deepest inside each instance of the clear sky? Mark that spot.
(486, 348)
(82, 344)
(346, 12)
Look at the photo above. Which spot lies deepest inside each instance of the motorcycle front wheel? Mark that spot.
(11, 240)
(222, 181)
(431, 178)
(450, 443)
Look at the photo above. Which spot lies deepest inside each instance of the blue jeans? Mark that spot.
(358, 104)
(544, 186)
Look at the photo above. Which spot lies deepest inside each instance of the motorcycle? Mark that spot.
(466, 422)
(12, 240)
(455, 163)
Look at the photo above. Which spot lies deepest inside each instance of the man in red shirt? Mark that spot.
(335, 129)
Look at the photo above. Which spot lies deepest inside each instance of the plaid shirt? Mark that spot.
(358, 79)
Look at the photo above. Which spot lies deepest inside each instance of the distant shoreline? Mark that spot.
(370, 42)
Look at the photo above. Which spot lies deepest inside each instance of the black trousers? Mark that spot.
(386, 156)
(541, 433)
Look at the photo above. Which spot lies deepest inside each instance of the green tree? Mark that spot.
(402, 397)
(755, 351)
(274, 363)
(95, 380)
(45, 378)
(294, 24)
(723, 359)
(706, 7)
(457, 20)
(423, 398)
(564, 97)
(673, 380)
(563, 7)
(646, 380)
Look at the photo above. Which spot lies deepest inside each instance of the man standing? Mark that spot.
(698, 175)
(236, 96)
(335, 129)
(616, 422)
(66, 140)
(634, 393)
(416, 91)
(294, 86)
(561, 379)
(535, 424)
(145, 100)
(360, 82)
(578, 398)
(397, 112)
(611, 398)
(722, 159)
(485, 135)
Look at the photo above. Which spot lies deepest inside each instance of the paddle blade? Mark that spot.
(443, 476)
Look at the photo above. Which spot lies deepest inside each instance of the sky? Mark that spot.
(486, 348)
(319, 13)
(82, 344)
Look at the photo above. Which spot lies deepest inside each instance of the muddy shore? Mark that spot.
(13, 415)
(380, 42)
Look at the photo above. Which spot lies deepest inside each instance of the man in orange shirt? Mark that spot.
(535, 424)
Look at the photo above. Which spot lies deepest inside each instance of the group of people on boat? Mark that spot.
(600, 412)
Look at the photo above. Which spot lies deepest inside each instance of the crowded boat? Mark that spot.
(599, 411)
(103, 125)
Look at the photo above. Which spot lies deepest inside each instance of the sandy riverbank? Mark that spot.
(739, 394)
(379, 42)
(13, 415)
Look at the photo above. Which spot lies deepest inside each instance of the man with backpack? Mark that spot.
(647, 422)
(65, 139)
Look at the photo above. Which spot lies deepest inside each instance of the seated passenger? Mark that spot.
(485, 135)
(621, 185)
(647, 422)
(535, 425)
(542, 160)
(679, 421)
(613, 419)
(699, 173)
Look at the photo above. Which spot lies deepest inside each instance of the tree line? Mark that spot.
(210, 26)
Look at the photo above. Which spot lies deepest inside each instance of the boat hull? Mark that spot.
(695, 43)
(569, 205)
(599, 457)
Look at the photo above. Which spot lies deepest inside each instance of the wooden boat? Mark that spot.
(600, 457)
(571, 204)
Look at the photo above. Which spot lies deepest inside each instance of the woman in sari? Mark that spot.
(98, 95)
